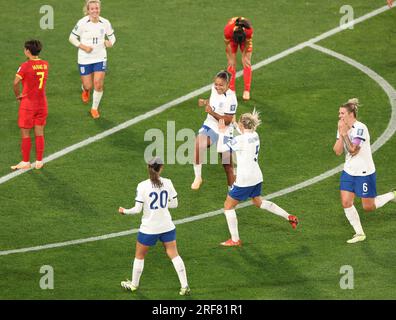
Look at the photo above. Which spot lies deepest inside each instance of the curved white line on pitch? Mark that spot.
(195, 93)
(386, 135)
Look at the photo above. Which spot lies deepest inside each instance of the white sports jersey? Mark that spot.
(246, 147)
(92, 35)
(361, 164)
(222, 104)
(156, 217)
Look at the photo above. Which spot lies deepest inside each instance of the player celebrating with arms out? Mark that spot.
(89, 36)
(249, 177)
(155, 195)
(33, 108)
(238, 32)
(221, 105)
(358, 177)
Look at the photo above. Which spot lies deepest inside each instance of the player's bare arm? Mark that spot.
(16, 88)
(203, 102)
(352, 148)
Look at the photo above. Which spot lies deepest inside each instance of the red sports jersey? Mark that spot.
(229, 31)
(34, 74)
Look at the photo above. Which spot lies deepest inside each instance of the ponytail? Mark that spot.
(154, 167)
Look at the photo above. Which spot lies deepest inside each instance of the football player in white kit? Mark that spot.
(249, 177)
(358, 177)
(89, 35)
(221, 105)
(155, 195)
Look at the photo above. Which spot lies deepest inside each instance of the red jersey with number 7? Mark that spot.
(34, 74)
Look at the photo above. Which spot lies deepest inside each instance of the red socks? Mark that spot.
(232, 81)
(39, 148)
(247, 77)
(26, 145)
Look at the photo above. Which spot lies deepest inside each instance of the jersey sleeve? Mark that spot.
(77, 30)
(109, 29)
(228, 31)
(360, 133)
(139, 193)
(21, 71)
(172, 191)
(235, 144)
(249, 33)
(232, 105)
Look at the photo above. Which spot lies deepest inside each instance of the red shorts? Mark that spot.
(29, 118)
(234, 47)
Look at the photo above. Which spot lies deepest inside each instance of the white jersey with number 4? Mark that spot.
(156, 217)
(222, 104)
(246, 147)
(92, 35)
(362, 163)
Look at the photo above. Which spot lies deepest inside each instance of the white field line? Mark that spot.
(386, 135)
(194, 93)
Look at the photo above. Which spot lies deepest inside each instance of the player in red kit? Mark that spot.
(33, 108)
(238, 33)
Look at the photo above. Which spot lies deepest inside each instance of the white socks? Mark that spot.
(137, 270)
(232, 222)
(97, 96)
(273, 208)
(197, 170)
(354, 219)
(380, 201)
(181, 271)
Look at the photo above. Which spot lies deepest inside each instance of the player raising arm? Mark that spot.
(89, 36)
(155, 195)
(249, 177)
(358, 177)
(33, 107)
(221, 105)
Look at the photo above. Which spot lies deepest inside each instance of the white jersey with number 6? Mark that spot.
(246, 147)
(156, 217)
(361, 164)
(92, 35)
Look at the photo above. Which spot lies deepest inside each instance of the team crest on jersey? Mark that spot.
(233, 107)
(360, 132)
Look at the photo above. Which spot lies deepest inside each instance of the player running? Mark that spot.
(358, 177)
(238, 32)
(155, 195)
(89, 35)
(221, 105)
(249, 177)
(33, 107)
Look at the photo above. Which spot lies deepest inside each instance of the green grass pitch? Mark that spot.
(165, 50)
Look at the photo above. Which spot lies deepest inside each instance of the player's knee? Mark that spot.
(346, 203)
(246, 64)
(98, 85)
(87, 86)
(369, 207)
